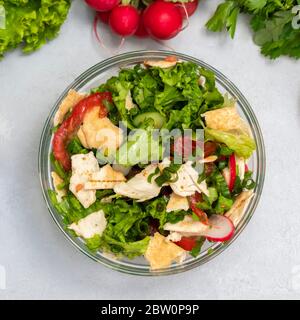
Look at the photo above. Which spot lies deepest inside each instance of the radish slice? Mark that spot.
(226, 175)
(222, 228)
(232, 169)
(240, 164)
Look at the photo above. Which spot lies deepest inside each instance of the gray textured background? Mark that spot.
(263, 263)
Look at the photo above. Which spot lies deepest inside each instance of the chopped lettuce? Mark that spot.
(130, 249)
(213, 195)
(75, 147)
(145, 88)
(127, 229)
(119, 88)
(174, 92)
(157, 210)
(223, 204)
(240, 143)
(71, 209)
(197, 249)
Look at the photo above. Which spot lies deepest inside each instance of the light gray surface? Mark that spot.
(40, 263)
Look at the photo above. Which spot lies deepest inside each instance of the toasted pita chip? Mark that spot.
(237, 210)
(226, 119)
(66, 105)
(83, 165)
(187, 182)
(96, 132)
(209, 159)
(187, 227)
(91, 225)
(106, 178)
(139, 187)
(166, 63)
(57, 180)
(161, 252)
(177, 202)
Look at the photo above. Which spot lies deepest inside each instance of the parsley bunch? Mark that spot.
(274, 22)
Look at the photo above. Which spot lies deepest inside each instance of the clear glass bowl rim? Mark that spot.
(124, 60)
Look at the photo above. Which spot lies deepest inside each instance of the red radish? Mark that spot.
(186, 243)
(141, 32)
(124, 20)
(102, 5)
(190, 8)
(222, 228)
(193, 200)
(246, 167)
(162, 20)
(104, 16)
(232, 170)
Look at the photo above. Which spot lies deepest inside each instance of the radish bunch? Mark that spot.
(160, 19)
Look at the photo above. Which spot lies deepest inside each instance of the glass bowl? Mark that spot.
(92, 78)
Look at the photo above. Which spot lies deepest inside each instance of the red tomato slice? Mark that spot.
(69, 127)
(186, 243)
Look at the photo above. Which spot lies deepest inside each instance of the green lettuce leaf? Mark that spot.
(75, 147)
(145, 87)
(129, 249)
(127, 229)
(157, 210)
(174, 92)
(240, 143)
(31, 23)
(223, 204)
(141, 147)
(119, 87)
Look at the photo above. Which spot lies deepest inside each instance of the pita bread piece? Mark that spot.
(96, 132)
(106, 178)
(237, 210)
(226, 119)
(161, 252)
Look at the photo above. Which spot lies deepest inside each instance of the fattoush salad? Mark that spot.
(127, 185)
